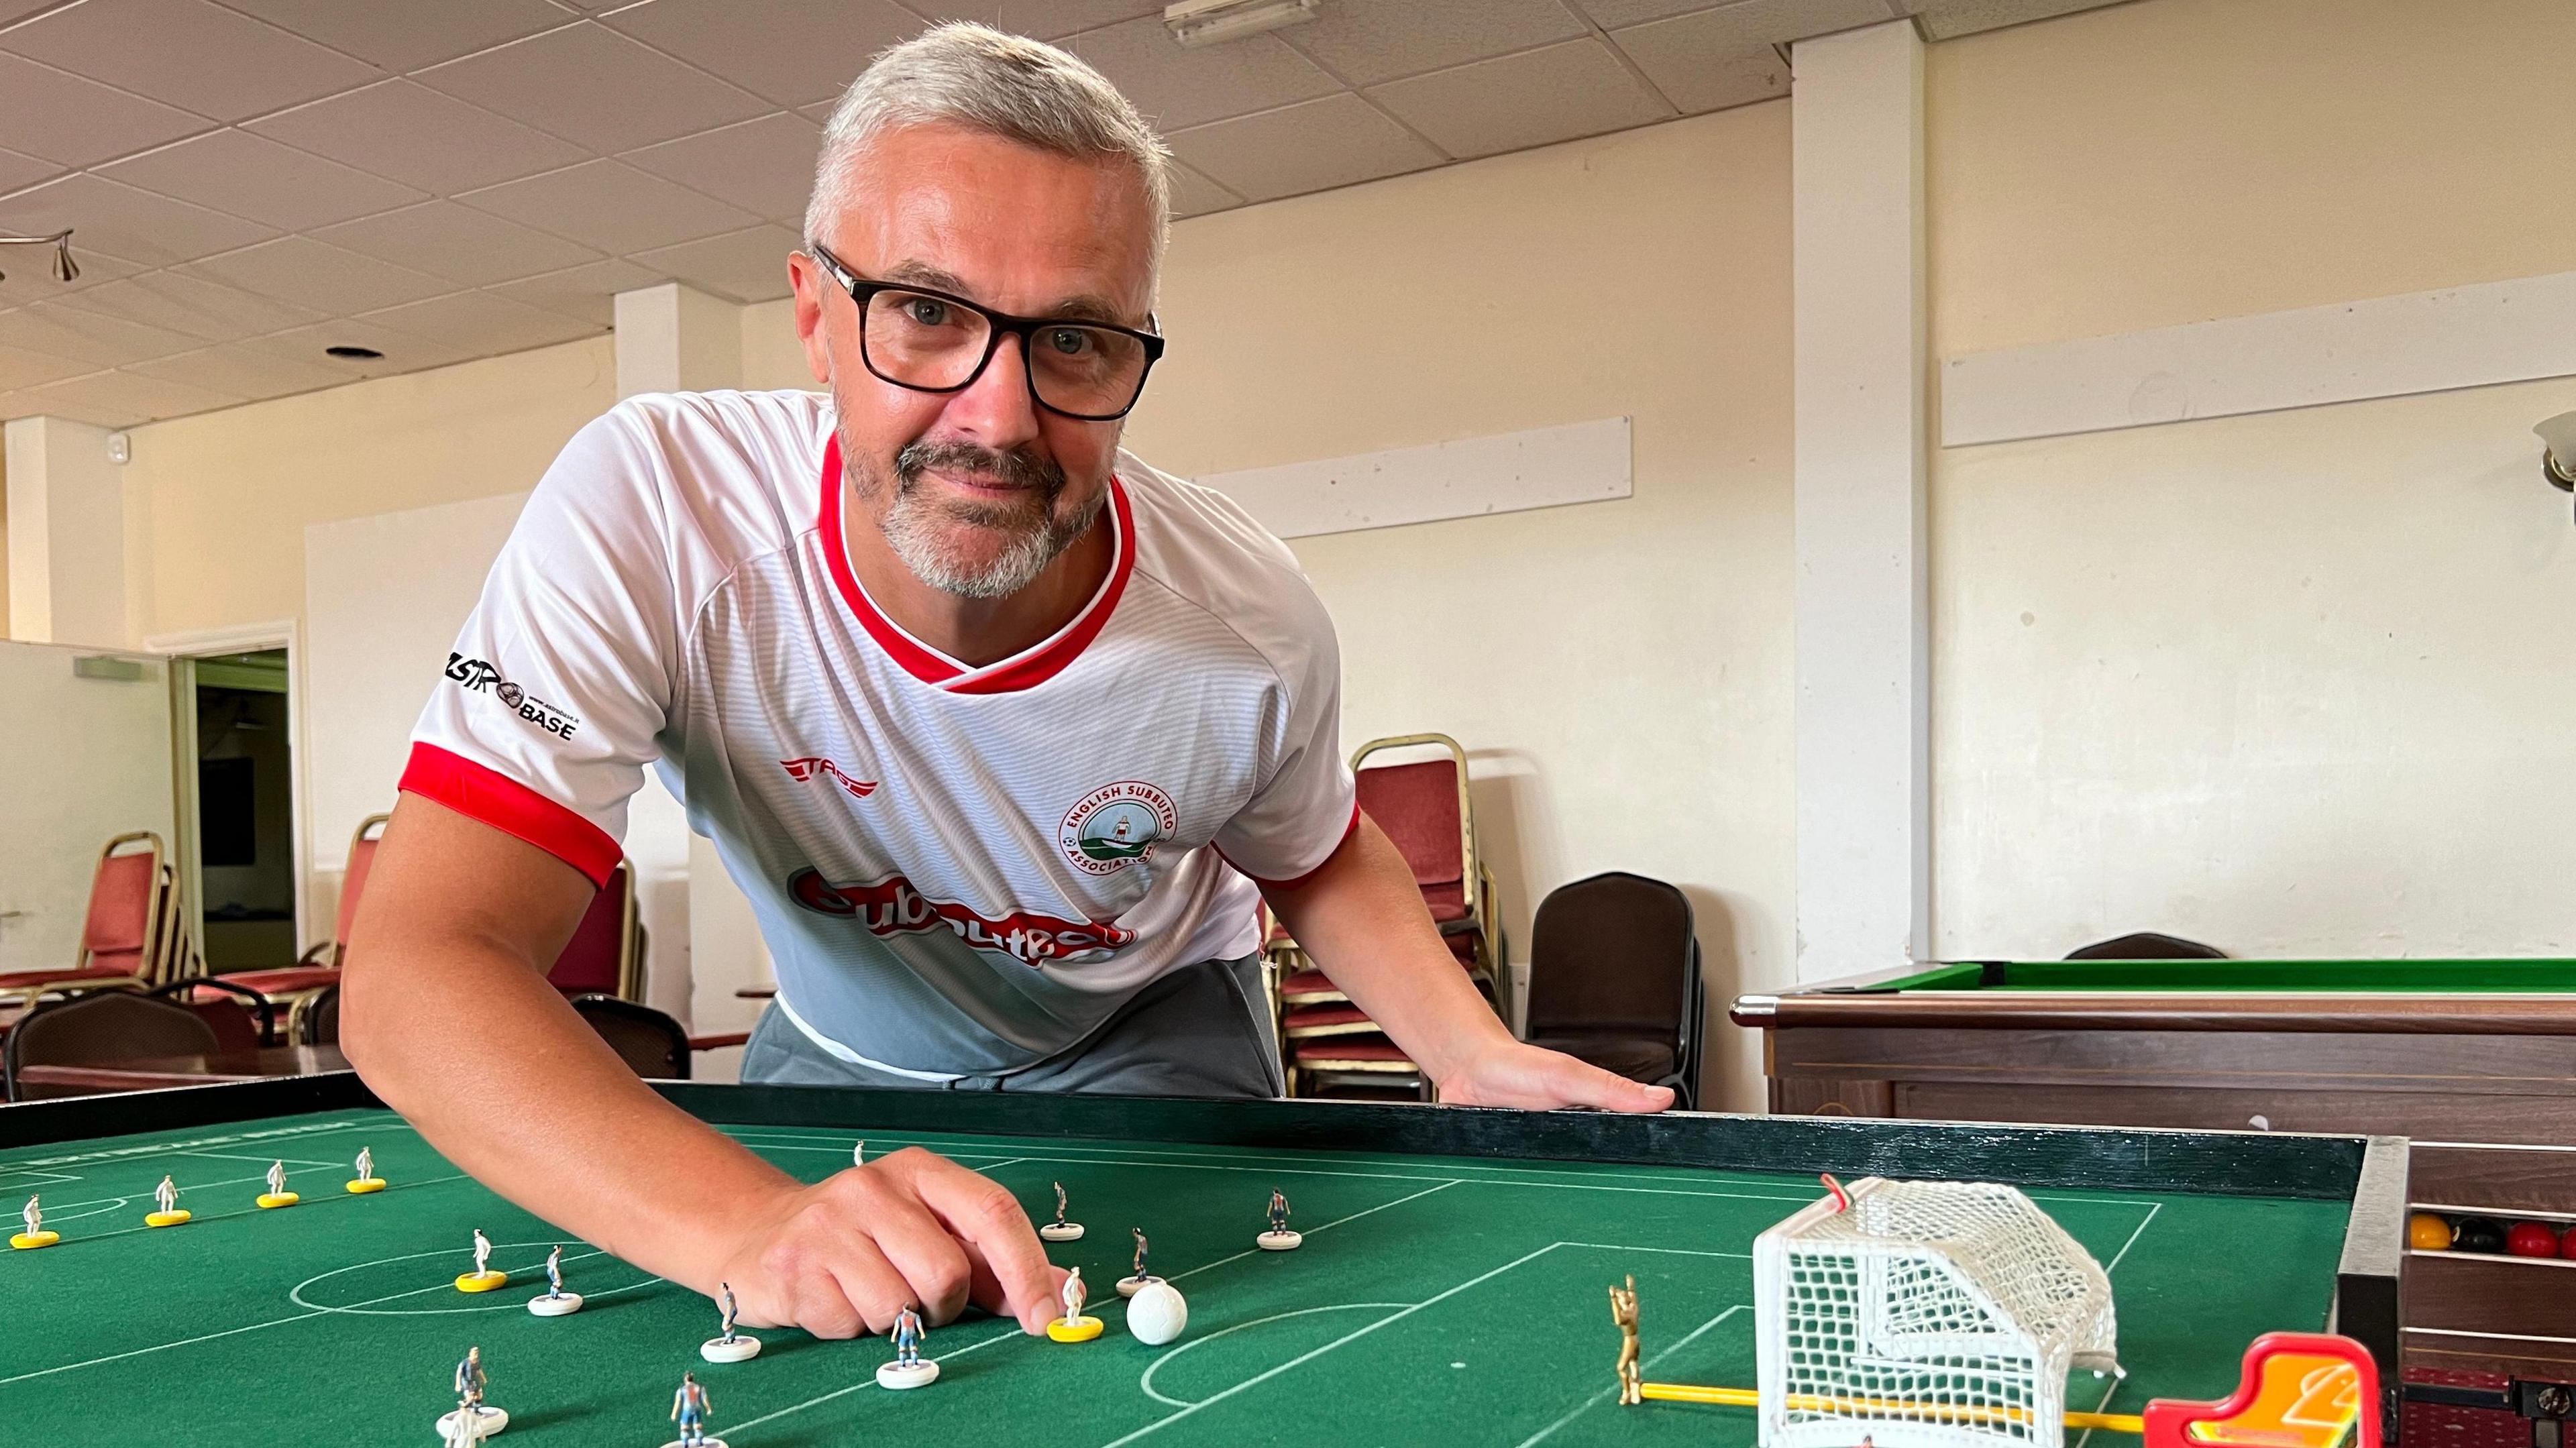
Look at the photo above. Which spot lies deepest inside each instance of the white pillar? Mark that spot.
(1863, 720)
(68, 524)
(671, 338)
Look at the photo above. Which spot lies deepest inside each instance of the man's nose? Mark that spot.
(996, 409)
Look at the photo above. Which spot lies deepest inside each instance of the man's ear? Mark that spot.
(813, 290)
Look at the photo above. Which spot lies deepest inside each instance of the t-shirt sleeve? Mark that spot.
(1310, 804)
(548, 708)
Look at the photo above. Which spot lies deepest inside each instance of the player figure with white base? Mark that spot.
(1128, 1286)
(1279, 1238)
(171, 1214)
(689, 1409)
(554, 1301)
(35, 1236)
(367, 1180)
(1060, 1230)
(473, 1417)
(482, 1278)
(1073, 1326)
(732, 1347)
(277, 1195)
(907, 1370)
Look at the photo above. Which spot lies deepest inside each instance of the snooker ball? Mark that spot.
(2567, 1242)
(1157, 1313)
(2479, 1234)
(2428, 1232)
(2530, 1239)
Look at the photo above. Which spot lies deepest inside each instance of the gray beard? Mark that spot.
(922, 532)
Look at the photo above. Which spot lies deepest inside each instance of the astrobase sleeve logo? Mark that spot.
(476, 676)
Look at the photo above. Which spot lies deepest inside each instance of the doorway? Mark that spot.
(244, 826)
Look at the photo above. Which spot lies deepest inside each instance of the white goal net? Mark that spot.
(1924, 1315)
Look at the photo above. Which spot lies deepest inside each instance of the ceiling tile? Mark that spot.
(1047, 19)
(458, 243)
(403, 351)
(820, 113)
(766, 166)
(748, 266)
(1311, 146)
(256, 177)
(398, 37)
(187, 52)
(1367, 41)
(59, 331)
(18, 171)
(1950, 19)
(1740, 23)
(131, 398)
(122, 221)
(191, 304)
(587, 292)
(22, 368)
(329, 279)
(244, 370)
(1177, 88)
(419, 137)
(65, 119)
(792, 51)
(481, 323)
(593, 86)
(611, 206)
(30, 273)
(1195, 195)
(27, 404)
(1700, 65)
(1524, 100)
(1610, 14)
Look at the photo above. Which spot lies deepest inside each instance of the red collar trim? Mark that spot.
(1027, 669)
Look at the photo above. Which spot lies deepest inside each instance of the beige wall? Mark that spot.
(231, 492)
(2290, 683)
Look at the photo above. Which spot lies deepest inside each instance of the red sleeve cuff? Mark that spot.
(479, 792)
(1348, 830)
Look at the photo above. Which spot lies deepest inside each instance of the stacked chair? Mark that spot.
(605, 956)
(1331, 1046)
(127, 939)
(292, 989)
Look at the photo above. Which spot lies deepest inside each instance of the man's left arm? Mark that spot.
(1362, 919)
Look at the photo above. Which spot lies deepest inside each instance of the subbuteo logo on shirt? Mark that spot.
(894, 907)
(1115, 826)
(801, 769)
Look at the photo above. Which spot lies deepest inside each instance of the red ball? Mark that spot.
(2531, 1239)
(2567, 1242)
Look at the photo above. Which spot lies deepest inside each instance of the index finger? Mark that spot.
(980, 1211)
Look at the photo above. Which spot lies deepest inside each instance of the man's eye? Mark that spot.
(1069, 341)
(928, 311)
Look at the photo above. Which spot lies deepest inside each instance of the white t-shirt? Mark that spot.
(958, 870)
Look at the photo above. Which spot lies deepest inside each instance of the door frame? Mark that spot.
(183, 649)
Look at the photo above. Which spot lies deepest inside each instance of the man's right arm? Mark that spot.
(447, 1015)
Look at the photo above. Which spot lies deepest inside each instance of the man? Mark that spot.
(996, 727)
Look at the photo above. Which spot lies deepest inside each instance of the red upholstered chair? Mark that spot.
(125, 938)
(606, 953)
(319, 966)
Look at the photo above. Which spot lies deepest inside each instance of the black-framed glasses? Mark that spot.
(932, 341)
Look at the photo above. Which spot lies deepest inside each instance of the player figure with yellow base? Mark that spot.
(1073, 1326)
(367, 1180)
(482, 1278)
(171, 1213)
(35, 1236)
(277, 1195)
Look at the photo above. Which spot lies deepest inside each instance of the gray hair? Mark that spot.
(1003, 85)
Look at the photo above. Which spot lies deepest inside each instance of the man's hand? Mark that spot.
(844, 1255)
(1514, 1073)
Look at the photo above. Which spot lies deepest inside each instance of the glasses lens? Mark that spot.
(1087, 371)
(921, 340)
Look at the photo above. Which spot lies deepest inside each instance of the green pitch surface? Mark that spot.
(1436, 1300)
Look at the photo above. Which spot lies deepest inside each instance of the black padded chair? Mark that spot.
(244, 1020)
(2147, 945)
(99, 1029)
(644, 1038)
(317, 1018)
(1615, 980)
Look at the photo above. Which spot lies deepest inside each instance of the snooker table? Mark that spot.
(1451, 1288)
(2473, 1060)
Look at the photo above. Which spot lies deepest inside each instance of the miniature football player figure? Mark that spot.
(731, 1346)
(35, 1236)
(554, 1273)
(907, 1338)
(1060, 1230)
(907, 1370)
(470, 1383)
(1279, 1238)
(729, 1312)
(1075, 1294)
(1129, 1286)
(482, 1254)
(277, 1195)
(1140, 1249)
(689, 1409)
(166, 1196)
(366, 1164)
(474, 1419)
(1623, 1311)
(1278, 1210)
(34, 1216)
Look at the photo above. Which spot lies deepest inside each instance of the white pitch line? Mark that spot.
(289, 1160)
(2086, 1438)
(1642, 1369)
(866, 1383)
(1668, 1251)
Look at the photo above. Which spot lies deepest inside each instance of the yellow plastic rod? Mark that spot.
(1748, 1398)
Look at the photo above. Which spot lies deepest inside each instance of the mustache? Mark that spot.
(1018, 468)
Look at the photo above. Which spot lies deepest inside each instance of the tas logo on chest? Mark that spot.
(1116, 825)
(808, 768)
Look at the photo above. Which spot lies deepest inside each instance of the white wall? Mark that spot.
(91, 760)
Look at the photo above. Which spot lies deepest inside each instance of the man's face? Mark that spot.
(976, 490)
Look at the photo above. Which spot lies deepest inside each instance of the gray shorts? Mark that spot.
(1203, 1030)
